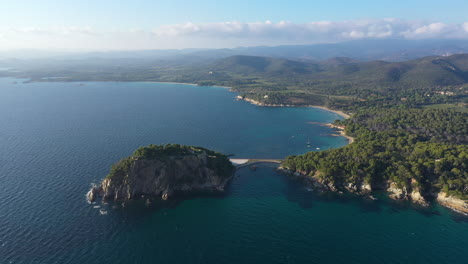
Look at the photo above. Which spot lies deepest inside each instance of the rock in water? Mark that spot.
(163, 171)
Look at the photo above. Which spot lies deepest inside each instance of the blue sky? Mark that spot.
(95, 24)
(146, 14)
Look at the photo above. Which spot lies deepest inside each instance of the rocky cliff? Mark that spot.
(164, 171)
(395, 192)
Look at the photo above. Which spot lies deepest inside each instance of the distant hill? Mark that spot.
(431, 76)
(253, 65)
(430, 71)
(339, 82)
(336, 61)
(361, 50)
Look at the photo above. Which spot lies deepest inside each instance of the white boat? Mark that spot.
(103, 212)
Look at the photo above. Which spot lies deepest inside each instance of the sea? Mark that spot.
(57, 138)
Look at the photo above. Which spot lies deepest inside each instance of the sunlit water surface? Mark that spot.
(57, 138)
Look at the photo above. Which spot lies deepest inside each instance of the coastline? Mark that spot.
(350, 139)
(446, 202)
(194, 84)
(338, 112)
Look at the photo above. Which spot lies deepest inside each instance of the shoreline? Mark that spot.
(340, 113)
(192, 84)
(252, 101)
(449, 202)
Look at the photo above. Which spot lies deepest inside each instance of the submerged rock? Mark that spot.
(164, 171)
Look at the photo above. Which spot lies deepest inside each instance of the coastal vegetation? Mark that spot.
(418, 150)
(216, 161)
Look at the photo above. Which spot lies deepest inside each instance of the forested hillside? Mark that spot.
(418, 150)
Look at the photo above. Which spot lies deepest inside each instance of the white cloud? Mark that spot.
(228, 34)
(430, 31)
(319, 31)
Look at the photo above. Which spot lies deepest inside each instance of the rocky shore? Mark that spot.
(452, 202)
(165, 176)
(395, 192)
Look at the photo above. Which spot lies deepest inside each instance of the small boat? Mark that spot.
(103, 211)
(308, 142)
(317, 148)
(96, 206)
(253, 168)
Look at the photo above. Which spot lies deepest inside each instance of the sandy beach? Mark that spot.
(341, 113)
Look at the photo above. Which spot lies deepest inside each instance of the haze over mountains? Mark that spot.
(338, 75)
(363, 50)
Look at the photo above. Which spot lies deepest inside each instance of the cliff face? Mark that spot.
(412, 194)
(164, 177)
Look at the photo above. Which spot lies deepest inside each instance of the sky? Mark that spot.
(145, 24)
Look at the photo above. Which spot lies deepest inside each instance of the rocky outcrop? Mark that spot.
(452, 202)
(396, 192)
(404, 193)
(164, 177)
(362, 188)
(312, 182)
(416, 197)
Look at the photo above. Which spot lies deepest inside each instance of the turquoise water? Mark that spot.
(57, 138)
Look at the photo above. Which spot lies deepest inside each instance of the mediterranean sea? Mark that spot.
(56, 138)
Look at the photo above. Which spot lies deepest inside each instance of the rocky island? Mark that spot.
(165, 171)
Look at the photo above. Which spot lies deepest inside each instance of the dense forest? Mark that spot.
(424, 150)
(216, 161)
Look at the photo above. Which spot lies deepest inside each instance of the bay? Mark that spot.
(56, 138)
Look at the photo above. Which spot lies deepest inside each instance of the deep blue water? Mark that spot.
(57, 138)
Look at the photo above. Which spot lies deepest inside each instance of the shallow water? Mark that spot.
(57, 138)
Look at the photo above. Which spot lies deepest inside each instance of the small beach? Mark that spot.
(341, 113)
